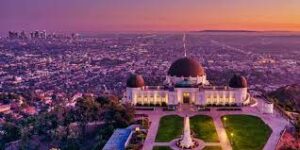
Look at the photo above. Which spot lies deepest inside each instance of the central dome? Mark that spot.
(186, 67)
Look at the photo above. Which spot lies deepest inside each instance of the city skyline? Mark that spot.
(133, 15)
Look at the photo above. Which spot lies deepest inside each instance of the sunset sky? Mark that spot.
(149, 15)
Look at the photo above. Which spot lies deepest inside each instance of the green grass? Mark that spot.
(161, 148)
(212, 148)
(204, 128)
(249, 132)
(170, 127)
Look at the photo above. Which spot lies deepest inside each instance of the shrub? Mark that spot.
(234, 105)
(204, 109)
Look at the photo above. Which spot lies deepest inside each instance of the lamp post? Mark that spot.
(224, 119)
(231, 140)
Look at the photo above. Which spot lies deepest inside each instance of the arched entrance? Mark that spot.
(186, 97)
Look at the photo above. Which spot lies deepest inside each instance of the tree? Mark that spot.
(54, 127)
(104, 134)
(102, 100)
(11, 132)
(71, 144)
(87, 110)
(119, 115)
(68, 119)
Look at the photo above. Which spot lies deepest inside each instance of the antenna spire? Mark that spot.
(183, 40)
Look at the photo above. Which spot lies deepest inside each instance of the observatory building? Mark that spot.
(186, 83)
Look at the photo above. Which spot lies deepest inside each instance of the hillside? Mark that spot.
(288, 97)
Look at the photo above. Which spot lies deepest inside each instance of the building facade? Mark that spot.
(186, 83)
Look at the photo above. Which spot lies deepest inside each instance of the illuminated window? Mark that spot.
(185, 94)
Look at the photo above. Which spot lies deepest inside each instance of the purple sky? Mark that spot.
(141, 15)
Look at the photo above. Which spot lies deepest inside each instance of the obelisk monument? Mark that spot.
(187, 140)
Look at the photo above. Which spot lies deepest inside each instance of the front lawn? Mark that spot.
(212, 148)
(246, 132)
(170, 127)
(204, 128)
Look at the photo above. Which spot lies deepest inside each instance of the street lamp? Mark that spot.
(231, 135)
(225, 118)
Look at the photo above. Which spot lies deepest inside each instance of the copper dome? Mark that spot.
(186, 67)
(238, 81)
(135, 81)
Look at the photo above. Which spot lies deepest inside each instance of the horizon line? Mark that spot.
(157, 31)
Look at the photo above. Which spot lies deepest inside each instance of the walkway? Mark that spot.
(225, 143)
(154, 117)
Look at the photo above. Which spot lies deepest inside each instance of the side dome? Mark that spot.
(135, 81)
(238, 81)
(186, 67)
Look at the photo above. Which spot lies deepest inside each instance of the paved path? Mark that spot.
(225, 143)
(168, 143)
(162, 143)
(150, 139)
(212, 144)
